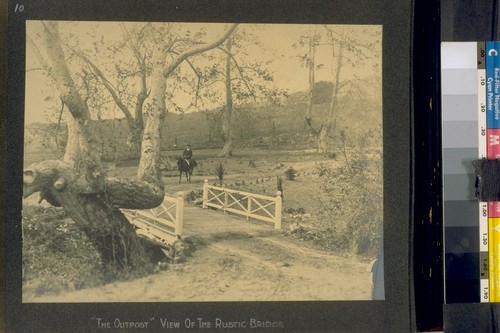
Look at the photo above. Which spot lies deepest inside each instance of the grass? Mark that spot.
(57, 256)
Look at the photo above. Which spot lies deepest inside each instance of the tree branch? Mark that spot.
(62, 75)
(141, 62)
(198, 81)
(240, 71)
(38, 54)
(59, 125)
(109, 87)
(188, 53)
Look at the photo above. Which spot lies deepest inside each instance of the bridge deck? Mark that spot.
(209, 222)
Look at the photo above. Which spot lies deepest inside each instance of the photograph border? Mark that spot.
(394, 314)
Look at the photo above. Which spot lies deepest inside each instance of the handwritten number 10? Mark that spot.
(19, 8)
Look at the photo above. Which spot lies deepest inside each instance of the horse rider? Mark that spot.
(187, 154)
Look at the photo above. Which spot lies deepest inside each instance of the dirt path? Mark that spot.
(237, 267)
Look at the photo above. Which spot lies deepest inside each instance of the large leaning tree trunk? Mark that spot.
(227, 111)
(79, 185)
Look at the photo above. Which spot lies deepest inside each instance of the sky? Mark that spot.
(276, 46)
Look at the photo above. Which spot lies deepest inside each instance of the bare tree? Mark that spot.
(227, 110)
(80, 186)
(134, 41)
(346, 50)
(311, 41)
(245, 78)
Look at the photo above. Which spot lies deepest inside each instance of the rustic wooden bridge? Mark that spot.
(224, 210)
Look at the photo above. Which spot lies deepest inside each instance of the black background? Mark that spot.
(395, 314)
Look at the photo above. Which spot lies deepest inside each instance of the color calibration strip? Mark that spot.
(470, 130)
(461, 128)
(484, 251)
(492, 95)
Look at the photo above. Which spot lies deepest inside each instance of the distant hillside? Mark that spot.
(254, 126)
(264, 125)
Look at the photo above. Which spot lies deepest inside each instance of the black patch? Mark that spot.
(487, 179)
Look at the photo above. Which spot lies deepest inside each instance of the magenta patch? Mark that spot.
(494, 209)
(493, 143)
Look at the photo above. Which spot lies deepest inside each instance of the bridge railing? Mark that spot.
(250, 205)
(164, 223)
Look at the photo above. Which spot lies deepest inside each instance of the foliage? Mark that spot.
(346, 50)
(245, 122)
(214, 120)
(290, 173)
(194, 196)
(327, 238)
(355, 194)
(293, 211)
(219, 172)
(57, 256)
(322, 92)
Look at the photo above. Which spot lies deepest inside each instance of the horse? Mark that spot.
(185, 167)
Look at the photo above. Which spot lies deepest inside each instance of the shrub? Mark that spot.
(354, 201)
(193, 196)
(57, 255)
(219, 172)
(290, 173)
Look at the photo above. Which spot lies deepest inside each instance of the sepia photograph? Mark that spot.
(202, 162)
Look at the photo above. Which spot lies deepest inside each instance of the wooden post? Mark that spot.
(205, 193)
(277, 213)
(225, 201)
(179, 214)
(249, 206)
